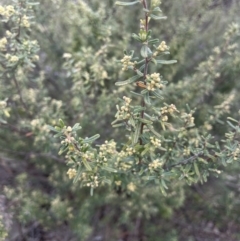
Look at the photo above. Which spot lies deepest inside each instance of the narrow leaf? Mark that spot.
(61, 123)
(135, 36)
(128, 81)
(161, 61)
(157, 93)
(91, 139)
(118, 125)
(157, 9)
(126, 3)
(139, 73)
(164, 184)
(147, 99)
(230, 124)
(196, 169)
(154, 132)
(145, 121)
(144, 51)
(86, 164)
(137, 94)
(157, 17)
(109, 169)
(52, 128)
(137, 133)
(76, 178)
(153, 41)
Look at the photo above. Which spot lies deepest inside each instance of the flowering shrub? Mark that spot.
(174, 122)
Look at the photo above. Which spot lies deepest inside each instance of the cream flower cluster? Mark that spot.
(153, 81)
(94, 182)
(25, 23)
(154, 165)
(186, 152)
(3, 104)
(9, 34)
(109, 147)
(236, 154)
(12, 58)
(155, 3)
(188, 118)
(161, 48)
(131, 187)
(71, 173)
(3, 43)
(167, 110)
(156, 142)
(126, 62)
(7, 11)
(124, 166)
(88, 155)
(129, 151)
(123, 112)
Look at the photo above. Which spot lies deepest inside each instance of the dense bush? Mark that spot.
(60, 60)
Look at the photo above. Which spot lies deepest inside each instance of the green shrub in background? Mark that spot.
(74, 80)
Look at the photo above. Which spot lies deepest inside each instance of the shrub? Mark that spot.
(167, 134)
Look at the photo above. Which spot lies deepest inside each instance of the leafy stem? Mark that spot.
(145, 71)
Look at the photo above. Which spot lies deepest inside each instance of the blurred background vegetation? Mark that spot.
(80, 43)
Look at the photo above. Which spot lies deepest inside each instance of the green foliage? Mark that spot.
(174, 111)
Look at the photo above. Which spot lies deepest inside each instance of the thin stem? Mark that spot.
(19, 92)
(145, 70)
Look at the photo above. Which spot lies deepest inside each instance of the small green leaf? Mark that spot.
(4, 122)
(153, 41)
(163, 190)
(157, 93)
(128, 81)
(154, 132)
(149, 178)
(145, 51)
(91, 191)
(52, 128)
(147, 99)
(107, 181)
(137, 94)
(138, 109)
(154, 61)
(144, 92)
(146, 10)
(91, 139)
(161, 61)
(196, 169)
(132, 122)
(109, 169)
(33, 4)
(76, 127)
(230, 124)
(145, 151)
(118, 125)
(139, 73)
(62, 150)
(86, 164)
(61, 123)
(230, 118)
(135, 36)
(137, 133)
(164, 184)
(145, 121)
(149, 117)
(157, 17)
(126, 3)
(157, 9)
(79, 172)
